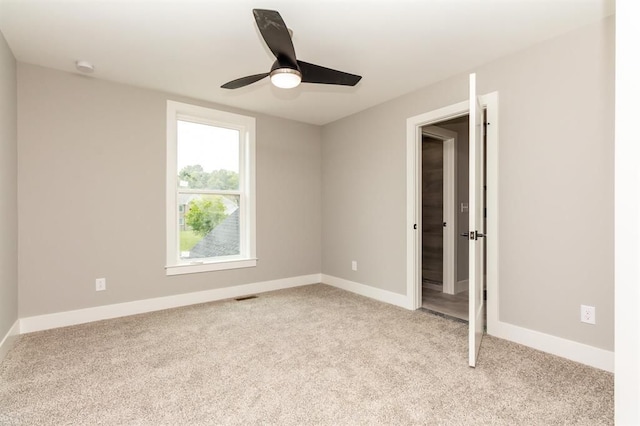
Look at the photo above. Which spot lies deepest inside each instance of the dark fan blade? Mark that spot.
(244, 81)
(275, 34)
(316, 74)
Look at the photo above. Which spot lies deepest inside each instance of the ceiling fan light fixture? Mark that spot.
(285, 78)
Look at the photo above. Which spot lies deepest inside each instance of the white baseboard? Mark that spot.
(9, 339)
(579, 352)
(575, 351)
(461, 286)
(81, 316)
(367, 291)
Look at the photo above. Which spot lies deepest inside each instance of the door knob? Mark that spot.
(474, 235)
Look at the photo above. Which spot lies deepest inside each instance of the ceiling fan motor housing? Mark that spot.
(284, 64)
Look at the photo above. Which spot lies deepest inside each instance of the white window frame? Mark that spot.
(247, 179)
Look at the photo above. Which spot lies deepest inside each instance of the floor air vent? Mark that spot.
(240, 299)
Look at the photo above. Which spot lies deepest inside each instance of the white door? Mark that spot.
(476, 224)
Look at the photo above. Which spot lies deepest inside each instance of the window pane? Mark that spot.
(208, 157)
(209, 225)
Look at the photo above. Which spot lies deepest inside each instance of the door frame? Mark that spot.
(449, 203)
(414, 221)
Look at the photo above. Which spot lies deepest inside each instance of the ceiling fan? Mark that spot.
(287, 71)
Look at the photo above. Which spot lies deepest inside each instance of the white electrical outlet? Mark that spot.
(588, 314)
(354, 265)
(101, 284)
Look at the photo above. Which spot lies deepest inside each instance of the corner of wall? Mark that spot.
(8, 197)
(9, 339)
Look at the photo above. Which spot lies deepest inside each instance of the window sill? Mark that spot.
(194, 268)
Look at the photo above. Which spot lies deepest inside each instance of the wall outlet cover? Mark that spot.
(588, 314)
(101, 284)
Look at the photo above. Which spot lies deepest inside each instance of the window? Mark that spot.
(210, 190)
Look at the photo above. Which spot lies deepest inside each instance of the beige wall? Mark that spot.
(91, 161)
(556, 184)
(8, 191)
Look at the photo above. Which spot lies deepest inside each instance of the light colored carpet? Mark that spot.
(309, 355)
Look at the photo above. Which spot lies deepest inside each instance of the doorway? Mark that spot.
(444, 205)
(489, 103)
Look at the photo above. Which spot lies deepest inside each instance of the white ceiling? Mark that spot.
(191, 47)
